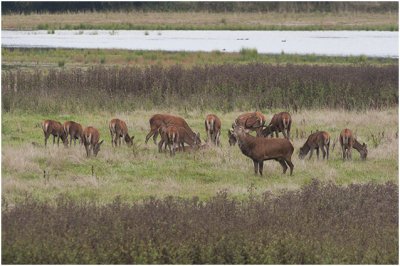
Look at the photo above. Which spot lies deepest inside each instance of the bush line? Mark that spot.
(221, 87)
(318, 224)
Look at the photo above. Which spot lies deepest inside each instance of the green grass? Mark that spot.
(50, 58)
(139, 172)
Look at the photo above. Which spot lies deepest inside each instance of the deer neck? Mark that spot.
(357, 145)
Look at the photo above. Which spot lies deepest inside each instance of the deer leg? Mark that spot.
(290, 165)
(260, 167)
(155, 137)
(311, 153)
(58, 140)
(255, 167)
(350, 150)
(282, 162)
(276, 133)
(112, 139)
(317, 148)
(217, 138)
(87, 150)
(327, 152)
(344, 153)
(208, 136)
(149, 135)
(160, 145)
(46, 136)
(323, 152)
(54, 139)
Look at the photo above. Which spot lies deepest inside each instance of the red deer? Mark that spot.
(75, 131)
(348, 142)
(91, 137)
(317, 140)
(262, 149)
(251, 122)
(213, 128)
(156, 122)
(119, 129)
(183, 136)
(170, 136)
(55, 128)
(281, 122)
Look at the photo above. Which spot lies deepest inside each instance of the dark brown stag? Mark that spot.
(119, 129)
(55, 128)
(75, 131)
(213, 128)
(316, 141)
(281, 122)
(91, 137)
(348, 142)
(262, 149)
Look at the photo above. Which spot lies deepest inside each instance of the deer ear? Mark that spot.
(101, 142)
(365, 145)
(233, 125)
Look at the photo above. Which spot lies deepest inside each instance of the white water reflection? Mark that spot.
(338, 43)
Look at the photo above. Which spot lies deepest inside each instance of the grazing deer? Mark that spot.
(251, 122)
(317, 140)
(348, 142)
(91, 137)
(184, 136)
(156, 122)
(55, 128)
(281, 122)
(119, 129)
(170, 136)
(262, 149)
(75, 131)
(213, 128)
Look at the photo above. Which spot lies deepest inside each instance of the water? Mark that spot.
(336, 43)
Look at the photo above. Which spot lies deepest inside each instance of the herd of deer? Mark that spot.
(175, 131)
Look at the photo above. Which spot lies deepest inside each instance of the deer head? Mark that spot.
(96, 148)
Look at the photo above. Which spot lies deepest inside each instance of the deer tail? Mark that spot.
(285, 123)
(327, 141)
(45, 126)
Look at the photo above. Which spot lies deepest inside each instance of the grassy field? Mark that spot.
(139, 172)
(83, 58)
(203, 21)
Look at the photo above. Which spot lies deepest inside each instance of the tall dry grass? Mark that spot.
(197, 19)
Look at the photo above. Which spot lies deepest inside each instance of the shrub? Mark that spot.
(318, 224)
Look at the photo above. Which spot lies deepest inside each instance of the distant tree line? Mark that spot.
(59, 7)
